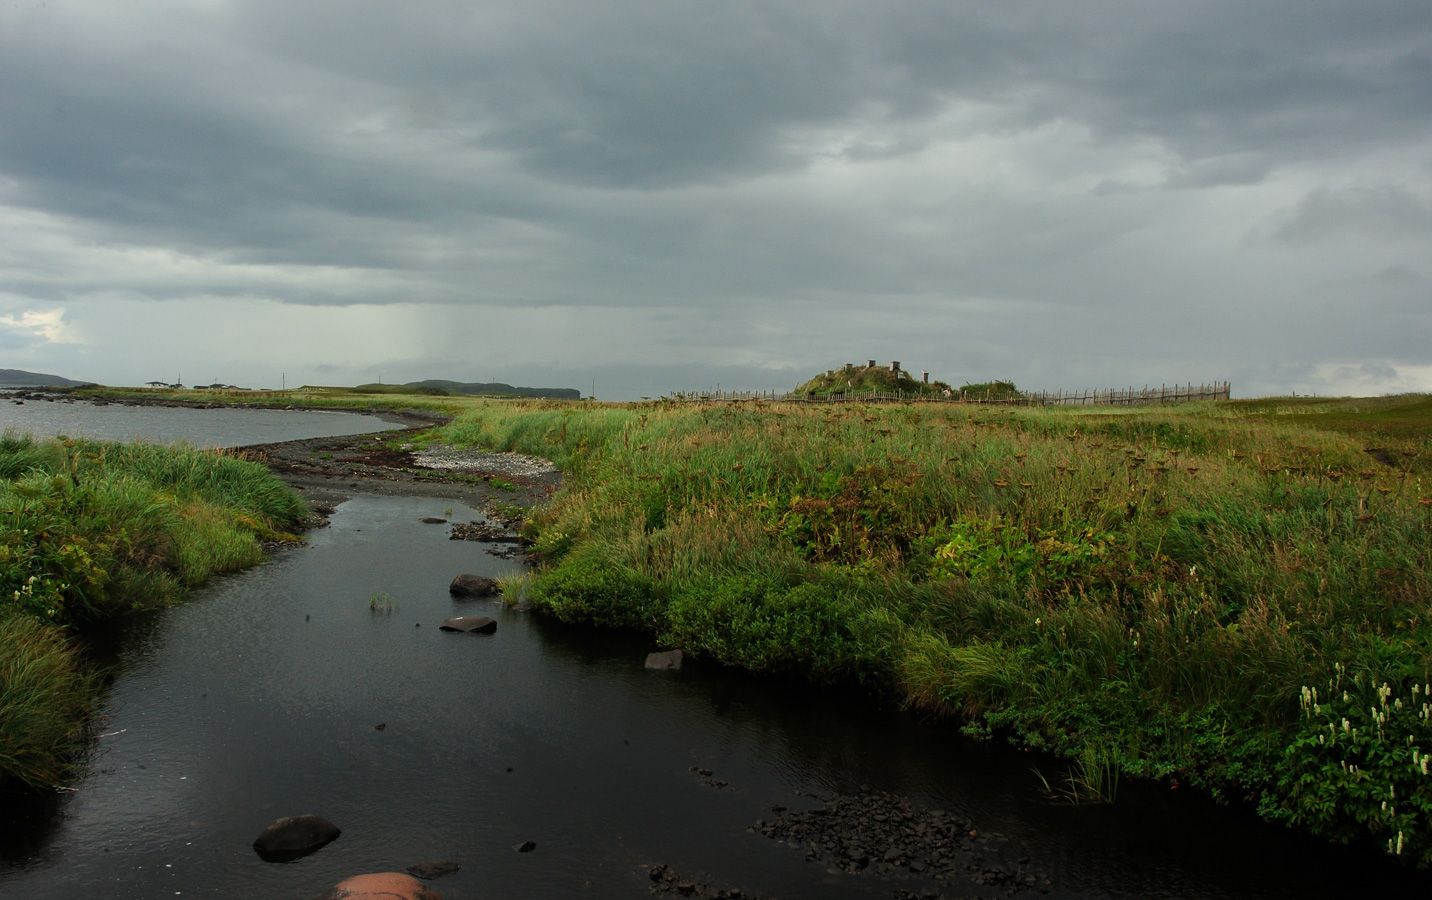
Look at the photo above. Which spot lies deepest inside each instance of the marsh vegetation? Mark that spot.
(1150, 592)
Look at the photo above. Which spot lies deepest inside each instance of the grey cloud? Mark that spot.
(1384, 211)
(639, 154)
(1399, 275)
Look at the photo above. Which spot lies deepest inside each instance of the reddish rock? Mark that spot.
(382, 886)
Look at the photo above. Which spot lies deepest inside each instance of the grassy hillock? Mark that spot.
(864, 379)
(1234, 596)
(92, 530)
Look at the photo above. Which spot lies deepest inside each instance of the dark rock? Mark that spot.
(430, 870)
(523, 606)
(473, 586)
(433, 520)
(294, 836)
(470, 624)
(525, 847)
(669, 660)
(382, 886)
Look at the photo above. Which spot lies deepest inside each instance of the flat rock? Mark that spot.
(380, 886)
(669, 660)
(433, 520)
(473, 586)
(294, 836)
(430, 870)
(470, 624)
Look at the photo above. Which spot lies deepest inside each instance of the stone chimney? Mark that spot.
(870, 365)
(925, 377)
(895, 366)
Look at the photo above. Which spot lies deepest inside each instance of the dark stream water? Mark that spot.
(260, 697)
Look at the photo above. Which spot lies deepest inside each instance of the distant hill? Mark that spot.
(21, 378)
(438, 386)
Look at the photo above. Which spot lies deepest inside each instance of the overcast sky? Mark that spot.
(661, 195)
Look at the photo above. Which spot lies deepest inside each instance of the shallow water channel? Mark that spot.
(260, 698)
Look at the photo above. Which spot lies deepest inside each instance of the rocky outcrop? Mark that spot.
(380, 886)
(465, 586)
(294, 836)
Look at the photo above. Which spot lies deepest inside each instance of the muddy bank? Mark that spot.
(328, 470)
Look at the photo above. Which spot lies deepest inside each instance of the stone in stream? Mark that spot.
(473, 586)
(430, 870)
(669, 660)
(380, 886)
(433, 520)
(470, 624)
(294, 836)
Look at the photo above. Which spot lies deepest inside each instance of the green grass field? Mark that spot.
(1234, 596)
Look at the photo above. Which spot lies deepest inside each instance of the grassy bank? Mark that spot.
(1235, 597)
(91, 530)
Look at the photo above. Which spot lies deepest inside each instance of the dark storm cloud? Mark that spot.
(768, 159)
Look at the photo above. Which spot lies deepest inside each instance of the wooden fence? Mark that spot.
(1130, 396)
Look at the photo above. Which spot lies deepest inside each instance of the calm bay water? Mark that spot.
(260, 698)
(226, 427)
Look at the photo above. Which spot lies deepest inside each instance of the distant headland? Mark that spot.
(439, 387)
(20, 378)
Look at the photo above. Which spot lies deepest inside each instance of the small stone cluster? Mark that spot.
(667, 881)
(480, 531)
(874, 831)
(708, 779)
(484, 462)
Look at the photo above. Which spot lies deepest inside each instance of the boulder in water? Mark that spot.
(430, 870)
(294, 836)
(669, 660)
(470, 624)
(473, 586)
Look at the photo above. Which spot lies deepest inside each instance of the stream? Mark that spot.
(261, 697)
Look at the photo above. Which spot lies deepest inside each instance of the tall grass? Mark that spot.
(1154, 585)
(45, 695)
(90, 530)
